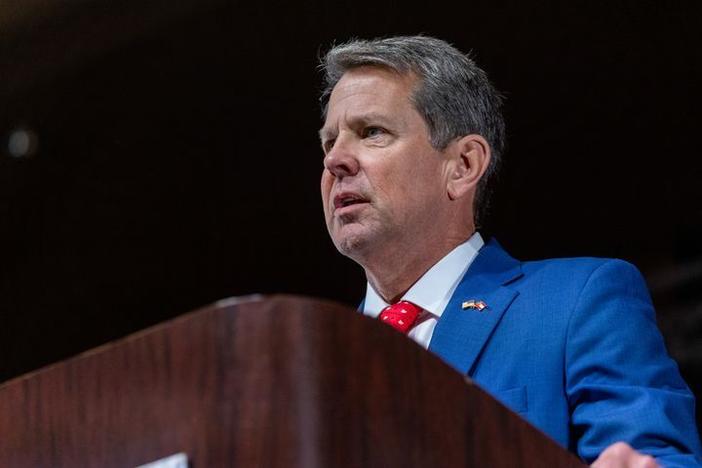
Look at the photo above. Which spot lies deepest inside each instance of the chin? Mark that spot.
(358, 239)
(352, 244)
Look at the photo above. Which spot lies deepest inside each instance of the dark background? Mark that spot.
(176, 159)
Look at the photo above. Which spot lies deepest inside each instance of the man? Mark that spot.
(412, 134)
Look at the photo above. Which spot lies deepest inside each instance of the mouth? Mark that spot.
(348, 199)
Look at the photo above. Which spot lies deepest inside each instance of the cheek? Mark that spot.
(416, 184)
(325, 186)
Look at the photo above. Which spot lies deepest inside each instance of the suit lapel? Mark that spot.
(461, 334)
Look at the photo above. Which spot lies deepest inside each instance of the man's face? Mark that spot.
(383, 183)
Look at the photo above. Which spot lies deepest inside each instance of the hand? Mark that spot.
(621, 455)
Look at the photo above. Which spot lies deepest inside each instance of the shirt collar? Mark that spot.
(434, 289)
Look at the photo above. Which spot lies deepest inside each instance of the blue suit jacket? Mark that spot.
(572, 345)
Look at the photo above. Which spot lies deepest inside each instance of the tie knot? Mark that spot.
(400, 315)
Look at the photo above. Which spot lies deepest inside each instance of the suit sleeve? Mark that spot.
(621, 384)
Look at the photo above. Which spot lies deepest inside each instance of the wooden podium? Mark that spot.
(280, 382)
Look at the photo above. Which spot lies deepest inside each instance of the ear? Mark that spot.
(469, 159)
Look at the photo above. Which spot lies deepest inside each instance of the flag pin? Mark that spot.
(473, 304)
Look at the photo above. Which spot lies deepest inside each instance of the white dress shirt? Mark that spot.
(432, 291)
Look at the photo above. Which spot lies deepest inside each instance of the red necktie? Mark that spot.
(400, 315)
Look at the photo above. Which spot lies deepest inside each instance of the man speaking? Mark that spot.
(412, 135)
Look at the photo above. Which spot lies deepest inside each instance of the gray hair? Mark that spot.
(454, 96)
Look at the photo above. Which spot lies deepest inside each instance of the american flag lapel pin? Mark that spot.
(475, 305)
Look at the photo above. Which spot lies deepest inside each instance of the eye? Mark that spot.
(328, 145)
(372, 132)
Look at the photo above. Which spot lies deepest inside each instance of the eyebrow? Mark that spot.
(324, 134)
(356, 120)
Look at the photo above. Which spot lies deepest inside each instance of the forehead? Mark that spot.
(370, 90)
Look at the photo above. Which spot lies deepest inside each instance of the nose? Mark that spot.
(341, 160)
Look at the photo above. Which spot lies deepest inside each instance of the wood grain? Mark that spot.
(281, 382)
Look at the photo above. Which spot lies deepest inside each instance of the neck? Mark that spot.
(393, 274)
